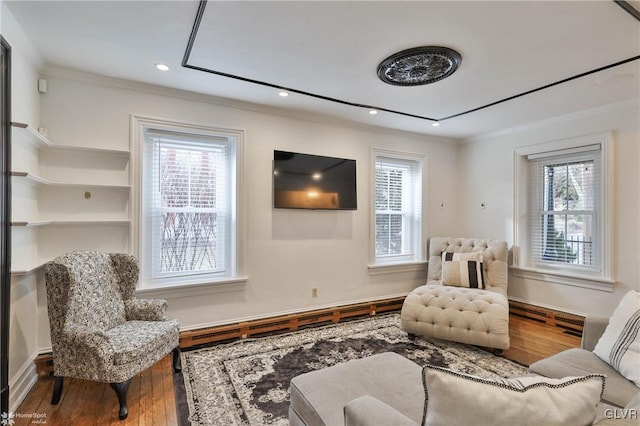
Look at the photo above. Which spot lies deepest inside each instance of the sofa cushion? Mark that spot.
(471, 316)
(318, 397)
(578, 362)
(136, 339)
(368, 411)
(457, 399)
(620, 344)
(463, 269)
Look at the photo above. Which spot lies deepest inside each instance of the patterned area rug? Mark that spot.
(247, 382)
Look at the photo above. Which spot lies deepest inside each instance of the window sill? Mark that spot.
(188, 290)
(395, 268)
(584, 281)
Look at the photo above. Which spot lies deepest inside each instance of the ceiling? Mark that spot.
(327, 52)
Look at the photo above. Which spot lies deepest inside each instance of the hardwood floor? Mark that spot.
(152, 400)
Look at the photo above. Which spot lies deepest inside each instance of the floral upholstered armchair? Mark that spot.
(99, 330)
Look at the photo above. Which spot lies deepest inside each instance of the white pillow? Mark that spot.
(619, 345)
(458, 399)
(463, 269)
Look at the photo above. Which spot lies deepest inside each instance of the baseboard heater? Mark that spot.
(548, 316)
(291, 322)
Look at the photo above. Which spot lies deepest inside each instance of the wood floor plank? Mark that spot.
(169, 391)
(157, 397)
(145, 416)
(71, 402)
(133, 401)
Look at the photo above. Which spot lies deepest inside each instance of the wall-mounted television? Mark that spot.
(304, 181)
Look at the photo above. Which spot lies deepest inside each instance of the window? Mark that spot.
(188, 205)
(563, 212)
(398, 208)
(566, 194)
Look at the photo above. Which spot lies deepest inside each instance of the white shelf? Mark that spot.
(32, 135)
(31, 178)
(38, 180)
(28, 224)
(42, 142)
(26, 268)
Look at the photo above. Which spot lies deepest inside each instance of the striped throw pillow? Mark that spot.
(463, 269)
(619, 345)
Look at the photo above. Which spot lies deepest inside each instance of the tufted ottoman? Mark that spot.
(466, 315)
(476, 317)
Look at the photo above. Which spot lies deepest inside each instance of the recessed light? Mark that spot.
(373, 111)
(283, 94)
(162, 67)
(435, 123)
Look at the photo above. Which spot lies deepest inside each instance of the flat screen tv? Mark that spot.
(304, 181)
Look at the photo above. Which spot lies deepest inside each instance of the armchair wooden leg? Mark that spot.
(177, 367)
(121, 390)
(57, 389)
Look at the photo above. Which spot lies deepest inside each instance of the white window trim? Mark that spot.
(414, 265)
(137, 125)
(602, 281)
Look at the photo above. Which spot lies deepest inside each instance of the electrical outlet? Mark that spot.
(314, 292)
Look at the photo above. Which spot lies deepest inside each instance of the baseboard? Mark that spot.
(549, 316)
(288, 322)
(22, 383)
(293, 321)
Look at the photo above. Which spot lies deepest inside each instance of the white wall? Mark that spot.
(287, 252)
(487, 177)
(25, 107)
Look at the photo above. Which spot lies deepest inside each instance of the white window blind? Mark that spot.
(565, 208)
(188, 204)
(398, 204)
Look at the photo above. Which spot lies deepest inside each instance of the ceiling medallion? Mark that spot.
(419, 65)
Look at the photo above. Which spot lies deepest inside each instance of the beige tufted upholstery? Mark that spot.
(494, 255)
(472, 316)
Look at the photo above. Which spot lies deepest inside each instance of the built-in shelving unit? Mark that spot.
(66, 197)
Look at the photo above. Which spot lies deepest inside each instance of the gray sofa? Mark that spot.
(387, 389)
(618, 391)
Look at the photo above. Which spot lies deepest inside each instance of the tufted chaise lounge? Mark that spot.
(467, 315)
